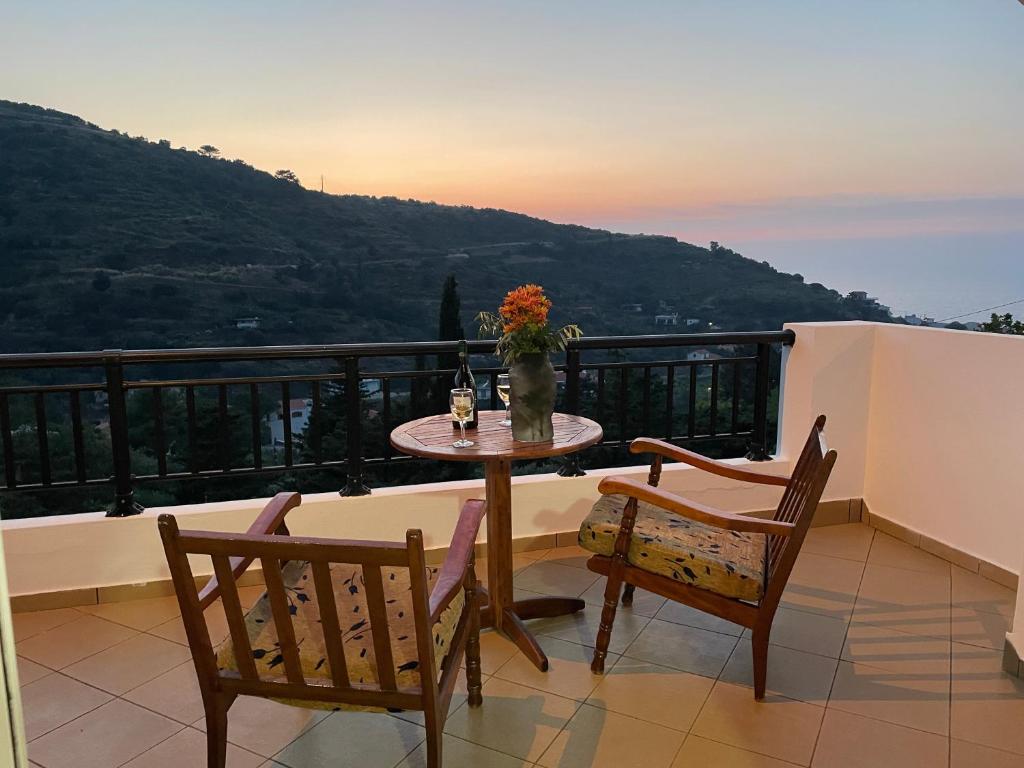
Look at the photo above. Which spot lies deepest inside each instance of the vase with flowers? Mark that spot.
(526, 339)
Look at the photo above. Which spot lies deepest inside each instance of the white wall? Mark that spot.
(90, 550)
(946, 438)
(927, 424)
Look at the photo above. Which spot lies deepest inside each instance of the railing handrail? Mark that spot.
(371, 349)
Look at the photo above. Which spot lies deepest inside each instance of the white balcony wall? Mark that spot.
(927, 423)
(90, 550)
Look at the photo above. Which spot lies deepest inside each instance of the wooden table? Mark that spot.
(432, 437)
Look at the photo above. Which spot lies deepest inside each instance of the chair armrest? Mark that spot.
(270, 520)
(452, 575)
(702, 514)
(660, 447)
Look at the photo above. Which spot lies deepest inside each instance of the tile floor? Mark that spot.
(882, 655)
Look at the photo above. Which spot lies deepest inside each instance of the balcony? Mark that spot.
(893, 645)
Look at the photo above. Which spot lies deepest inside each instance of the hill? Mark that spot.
(108, 240)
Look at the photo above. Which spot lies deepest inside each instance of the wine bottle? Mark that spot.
(464, 378)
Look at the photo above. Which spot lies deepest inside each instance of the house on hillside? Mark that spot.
(700, 355)
(247, 323)
(296, 420)
(672, 319)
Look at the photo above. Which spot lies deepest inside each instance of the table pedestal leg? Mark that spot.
(502, 612)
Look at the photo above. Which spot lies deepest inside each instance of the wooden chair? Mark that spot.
(357, 625)
(731, 566)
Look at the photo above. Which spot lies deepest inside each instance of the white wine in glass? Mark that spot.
(505, 394)
(461, 401)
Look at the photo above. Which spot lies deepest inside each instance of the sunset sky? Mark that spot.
(743, 122)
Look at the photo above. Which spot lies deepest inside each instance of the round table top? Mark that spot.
(432, 437)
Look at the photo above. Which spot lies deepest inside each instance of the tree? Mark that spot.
(100, 282)
(285, 175)
(449, 326)
(208, 150)
(1003, 324)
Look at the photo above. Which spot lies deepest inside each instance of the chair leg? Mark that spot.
(604, 632)
(473, 660)
(216, 731)
(435, 729)
(759, 645)
(627, 595)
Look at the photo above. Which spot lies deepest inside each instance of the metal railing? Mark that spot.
(689, 397)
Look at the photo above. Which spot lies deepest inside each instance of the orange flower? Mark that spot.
(525, 305)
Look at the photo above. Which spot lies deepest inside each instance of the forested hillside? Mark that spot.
(108, 240)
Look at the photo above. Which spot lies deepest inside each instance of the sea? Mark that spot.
(943, 277)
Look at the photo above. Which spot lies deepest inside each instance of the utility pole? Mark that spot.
(321, 183)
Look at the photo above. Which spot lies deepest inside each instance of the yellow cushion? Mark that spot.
(727, 562)
(353, 617)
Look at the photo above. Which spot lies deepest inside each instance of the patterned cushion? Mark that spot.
(727, 562)
(354, 619)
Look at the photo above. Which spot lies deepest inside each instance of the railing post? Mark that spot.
(571, 462)
(354, 430)
(124, 501)
(758, 448)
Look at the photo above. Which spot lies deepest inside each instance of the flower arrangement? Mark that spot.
(522, 325)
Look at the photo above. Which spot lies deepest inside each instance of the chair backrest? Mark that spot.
(274, 553)
(798, 503)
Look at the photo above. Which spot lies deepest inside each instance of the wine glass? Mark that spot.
(504, 394)
(461, 401)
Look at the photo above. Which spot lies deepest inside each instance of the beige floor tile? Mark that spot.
(576, 556)
(174, 694)
(27, 625)
(987, 704)
(850, 542)
(109, 736)
(918, 701)
(549, 578)
(808, 632)
(656, 694)
(495, 650)
(825, 585)
(65, 644)
(698, 751)
(596, 737)
(851, 741)
(889, 551)
(568, 673)
(973, 627)
(128, 665)
(681, 647)
(777, 727)
(980, 594)
(188, 748)
(896, 651)
(137, 614)
(520, 562)
(265, 727)
(582, 628)
(216, 623)
(914, 602)
(364, 739)
(964, 754)
(793, 674)
(29, 671)
(54, 700)
(678, 613)
(456, 752)
(514, 719)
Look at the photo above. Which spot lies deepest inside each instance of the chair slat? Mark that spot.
(236, 619)
(374, 584)
(282, 619)
(329, 622)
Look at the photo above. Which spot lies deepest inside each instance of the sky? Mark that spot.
(785, 127)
